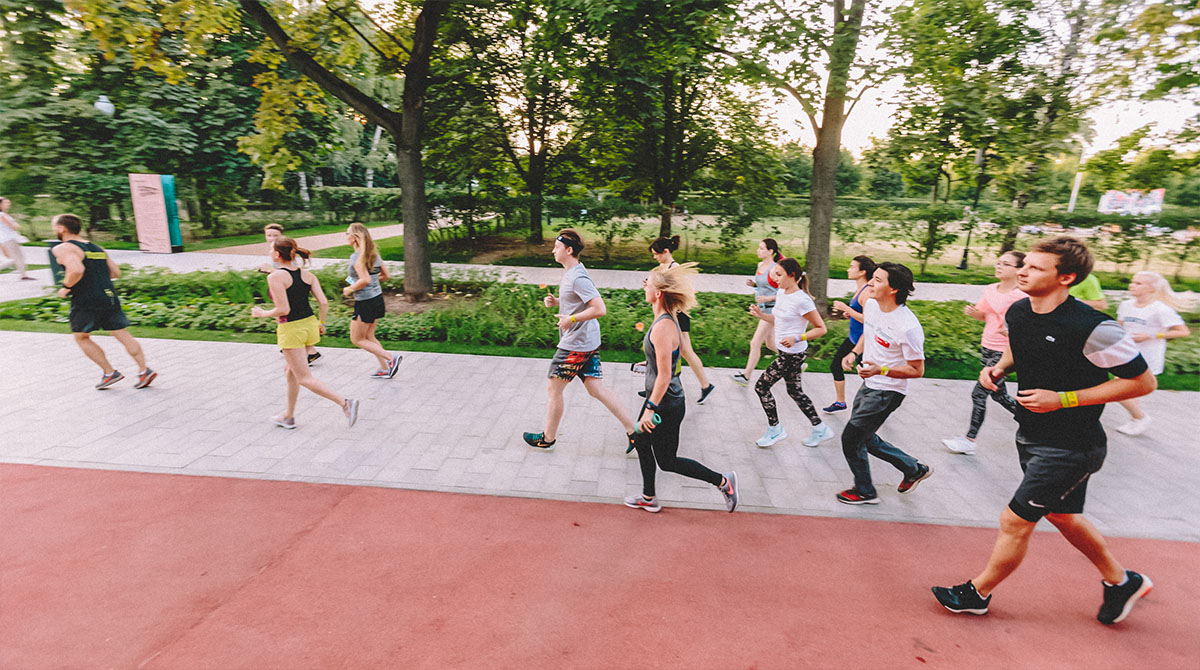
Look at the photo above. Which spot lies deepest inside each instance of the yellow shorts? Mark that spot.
(298, 334)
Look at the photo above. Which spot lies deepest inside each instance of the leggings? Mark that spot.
(661, 448)
(979, 395)
(835, 366)
(788, 367)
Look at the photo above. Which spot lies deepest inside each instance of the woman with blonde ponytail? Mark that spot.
(657, 439)
(297, 327)
(367, 269)
(1150, 318)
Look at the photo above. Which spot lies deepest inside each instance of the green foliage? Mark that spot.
(351, 203)
(923, 230)
(612, 220)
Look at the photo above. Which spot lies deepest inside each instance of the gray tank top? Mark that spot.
(372, 289)
(762, 286)
(674, 392)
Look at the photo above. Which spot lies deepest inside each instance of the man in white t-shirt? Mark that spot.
(890, 352)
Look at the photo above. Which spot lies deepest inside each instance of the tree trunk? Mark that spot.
(664, 219)
(535, 183)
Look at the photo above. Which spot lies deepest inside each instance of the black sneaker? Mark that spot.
(312, 358)
(740, 379)
(538, 441)
(109, 379)
(642, 393)
(910, 482)
(1119, 600)
(835, 407)
(705, 392)
(962, 599)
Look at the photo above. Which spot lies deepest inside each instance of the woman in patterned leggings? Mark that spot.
(794, 312)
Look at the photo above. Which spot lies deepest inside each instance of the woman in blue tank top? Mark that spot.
(860, 270)
(765, 289)
(670, 292)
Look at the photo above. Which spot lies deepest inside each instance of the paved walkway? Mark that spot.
(454, 423)
(310, 242)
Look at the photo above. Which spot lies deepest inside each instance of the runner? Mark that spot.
(764, 297)
(94, 304)
(894, 346)
(990, 309)
(11, 240)
(1150, 318)
(860, 270)
(272, 232)
(366, 270)
(298, 327)
(661, 249)
(1063, 352)
(670, 292)
(1089, 293)
(794, 311)
(577, 355)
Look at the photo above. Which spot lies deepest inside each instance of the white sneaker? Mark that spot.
(819, 434)
(1136, 426)
(960, 445)
(773, 435)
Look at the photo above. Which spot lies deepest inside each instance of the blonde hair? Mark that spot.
(674, 284)
(366, 246)
(1162, 289)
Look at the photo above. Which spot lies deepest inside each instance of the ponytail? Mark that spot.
(288, 250)
(792, 268)
(665, 244)
(773, 247)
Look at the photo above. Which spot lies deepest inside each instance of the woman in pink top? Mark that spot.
(990, 309)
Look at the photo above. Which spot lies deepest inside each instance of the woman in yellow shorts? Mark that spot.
(298, 327)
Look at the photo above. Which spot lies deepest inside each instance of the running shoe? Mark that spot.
(705, 392)
(639, 502)
(773, 435)
(634, 439)
(642, 393)
(1120, 599)
(28, 278)
(538, 441)
(1135, 427)
(960, 445)
(819, 434)
(740, 379)
(910, 482)
(381, 373)
(109, 379)
(350, 409)
(145, 378)
(730, 491)
(394, 365)
(962, 599)
(312, 358)
(289, 423)
(852, 497)
(835, 407)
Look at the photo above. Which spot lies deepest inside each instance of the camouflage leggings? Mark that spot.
(787, 367)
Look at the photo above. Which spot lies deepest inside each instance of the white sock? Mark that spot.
(1123, 581)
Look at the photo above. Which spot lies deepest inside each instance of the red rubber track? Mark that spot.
(104, 569)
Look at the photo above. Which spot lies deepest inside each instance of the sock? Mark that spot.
(1123, 581)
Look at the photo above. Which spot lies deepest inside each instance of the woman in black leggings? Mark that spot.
(670, 292)
(860, 270)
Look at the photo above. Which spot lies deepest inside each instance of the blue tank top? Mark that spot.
(856, 326)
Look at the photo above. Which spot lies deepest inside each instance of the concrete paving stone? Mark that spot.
(450, 472)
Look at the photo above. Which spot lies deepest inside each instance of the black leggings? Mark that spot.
(835, 366)
(787, 367)
(661, 448)
(979, 395)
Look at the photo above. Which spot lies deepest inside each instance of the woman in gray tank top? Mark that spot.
(366, 270)
(765, 289)
(670, 291)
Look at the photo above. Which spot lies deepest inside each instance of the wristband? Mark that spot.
(651, 405)
(573, 319)
(1068, 399)
(804, 337)
(883, 370)
(1161, 336)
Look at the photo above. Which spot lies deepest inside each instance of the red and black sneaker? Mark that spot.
(852, 497)
(910, 481)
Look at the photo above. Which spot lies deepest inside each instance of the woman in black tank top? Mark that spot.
(298, 328)
(661, 250)
(670, 292)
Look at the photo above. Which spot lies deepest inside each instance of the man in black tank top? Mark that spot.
(94, 302)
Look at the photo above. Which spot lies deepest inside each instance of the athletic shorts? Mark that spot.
(86, 320)
(685, 322)
(1055, 478)
(298, 334)
(571, 364)
(369, 310)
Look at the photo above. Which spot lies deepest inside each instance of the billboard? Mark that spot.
(1132, 202)
(155, 213)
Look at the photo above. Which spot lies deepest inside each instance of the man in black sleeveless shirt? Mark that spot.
(1063, 352)
(94, 303)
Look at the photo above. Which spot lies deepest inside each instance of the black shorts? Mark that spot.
(86, 320)
(1055, 478)
(685, 322)
(369, 310)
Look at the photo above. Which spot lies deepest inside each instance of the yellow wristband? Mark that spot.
(1068, 399)
(1161, 336)
(573, 319)
(883, 370)
(804, 337)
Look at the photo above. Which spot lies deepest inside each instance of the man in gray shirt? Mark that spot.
(579, 305)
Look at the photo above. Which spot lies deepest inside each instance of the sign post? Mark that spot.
(155, 213)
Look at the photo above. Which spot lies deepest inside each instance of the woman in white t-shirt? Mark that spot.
(11, 240)
(793, 313)
(1150, 319)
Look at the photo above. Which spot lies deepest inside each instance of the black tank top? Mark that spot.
(95, 289)
(297, 295)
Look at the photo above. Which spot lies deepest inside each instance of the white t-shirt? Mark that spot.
(891, 339)
(1152, 319)
(789, 312)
